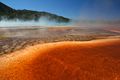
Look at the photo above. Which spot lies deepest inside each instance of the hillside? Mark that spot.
(8, 13)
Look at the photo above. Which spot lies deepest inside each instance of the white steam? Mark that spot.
(40, 22)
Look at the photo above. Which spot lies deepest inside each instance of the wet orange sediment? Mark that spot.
(92, 60)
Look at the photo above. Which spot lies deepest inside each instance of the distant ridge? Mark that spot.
(9, 13)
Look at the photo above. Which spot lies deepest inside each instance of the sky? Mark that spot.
(74, 9)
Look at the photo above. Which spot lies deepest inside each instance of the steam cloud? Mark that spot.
(41, 22)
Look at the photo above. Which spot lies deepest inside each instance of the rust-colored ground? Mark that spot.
(92, 60)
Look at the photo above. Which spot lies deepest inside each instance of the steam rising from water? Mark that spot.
(40, 22)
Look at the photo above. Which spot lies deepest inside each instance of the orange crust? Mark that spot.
(92, 60)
